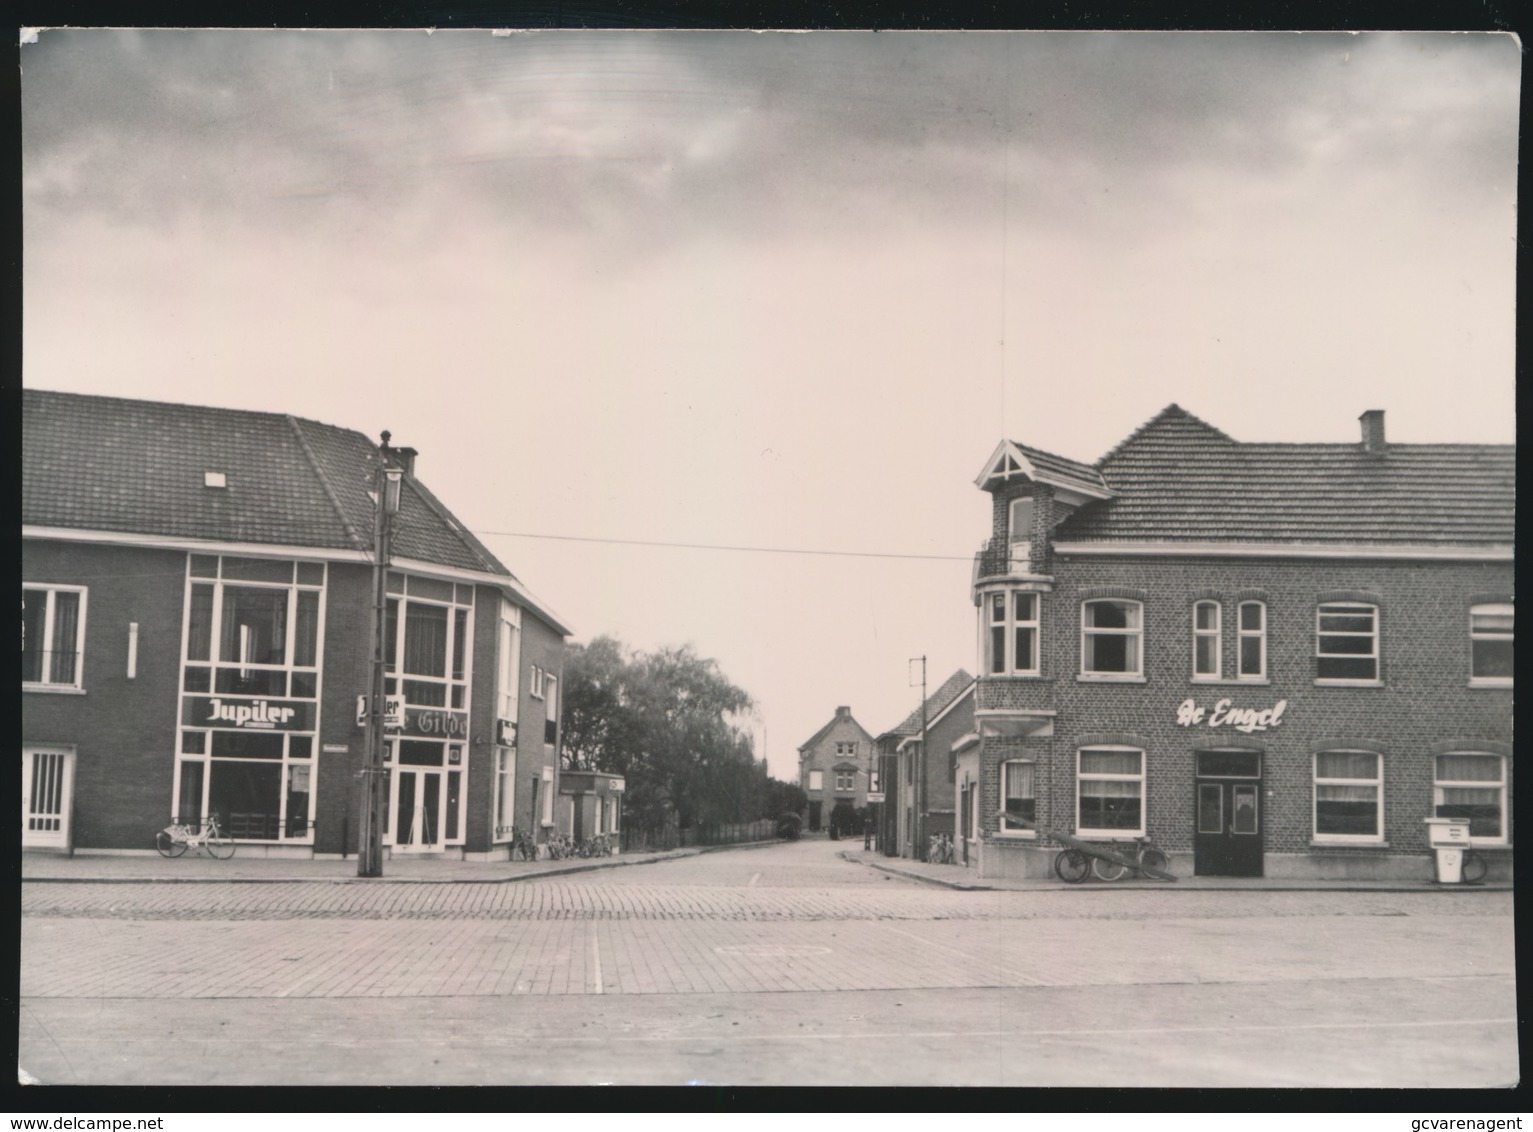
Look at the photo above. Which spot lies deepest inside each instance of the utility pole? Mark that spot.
(918, 795)
(387, 477)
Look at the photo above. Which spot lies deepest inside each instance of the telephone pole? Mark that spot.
(386, 481)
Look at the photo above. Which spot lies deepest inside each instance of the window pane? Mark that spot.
(1108, 654)
(1109, 811)
(1480, 808)
(189, 811)
(1112, 615)
(1346, 646)
(199, 630)
(998, 607)
(1251, 616)
(298, 801)
(306, 629)
(425, 693)
(194, 742)
(1351, 622)
(203, 566)
(426, 639)
(1492, 658)
(1346, 764)
(66, 624)
(1206, 615)
(1491, 619)
(34, 608)
(254, 625)
(1019, 782)
(1245, 809)
(1210, 808)
(247, 798)
(1024, 660)
(247, 744)
(1328, 668)
(1229, 764)
(1024, 606)
(258, 570)
(1468, 768)
(248, 681)
(305, 684)
(459, 641)
(1347, 810)
(1110, 762)
(418, 753)
(1250, 656)
(1206, 662)
(311, 573)
(198, 680)
(300, 746)
(998, 649)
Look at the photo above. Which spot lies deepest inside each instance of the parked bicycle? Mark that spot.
(940, 849)
(597, 846)
(1074, 865)
(176, 838)
(559, 846)
(523, 845)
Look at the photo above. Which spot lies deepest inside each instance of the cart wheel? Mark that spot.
(1072, 866)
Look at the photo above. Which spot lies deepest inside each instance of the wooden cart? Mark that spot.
(1092, 850)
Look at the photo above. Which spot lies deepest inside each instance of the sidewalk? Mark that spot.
(195, 867)
(967, 880)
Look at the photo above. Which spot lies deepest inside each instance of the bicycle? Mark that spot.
(940, 849)
(1145, 856)
(176, 838)
(522, 842)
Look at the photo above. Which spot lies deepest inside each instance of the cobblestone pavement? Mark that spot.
(688, 950)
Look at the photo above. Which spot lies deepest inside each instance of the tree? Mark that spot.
(670, 723)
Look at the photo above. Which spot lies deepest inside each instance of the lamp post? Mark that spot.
(370, 826)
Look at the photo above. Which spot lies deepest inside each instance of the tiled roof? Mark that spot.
(137, 467)
(824, 731)
(1177, 479)
(953, 687)
(1063, 470)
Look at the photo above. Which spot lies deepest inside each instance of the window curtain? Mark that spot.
(426, 640)
(66, 625)
(1110, 762)
(264, 613)
(1346, 764)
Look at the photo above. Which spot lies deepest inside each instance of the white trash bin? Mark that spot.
(1448, 839)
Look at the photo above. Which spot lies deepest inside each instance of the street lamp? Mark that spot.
(387, 479)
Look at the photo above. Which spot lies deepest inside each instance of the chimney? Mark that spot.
(1373, 432)
(843, 712)
(405, 458)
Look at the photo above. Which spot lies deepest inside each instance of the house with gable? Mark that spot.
(835, 766)
(197, 608)
(1273, 659)
(918, 770)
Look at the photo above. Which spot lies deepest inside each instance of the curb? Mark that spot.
(1161, 886)
(554, 871)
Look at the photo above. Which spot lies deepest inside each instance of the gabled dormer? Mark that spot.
(1032, 492)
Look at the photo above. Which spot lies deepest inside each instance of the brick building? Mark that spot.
(1275, 659)
(919, 791)
(196, 627)
(836, 765)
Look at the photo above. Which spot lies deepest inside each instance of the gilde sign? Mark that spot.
(1246, 720)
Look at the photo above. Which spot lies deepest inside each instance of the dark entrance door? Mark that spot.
(1227, 810)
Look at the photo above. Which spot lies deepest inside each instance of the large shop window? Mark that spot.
(250, 682)
(1490, 643)
(1349, 790)
(1111, 792)
(505, 793)
(1111, 637)
(1251, 636)
(1472, 788)
(1205, 640)
(1347, 642)
(1011, 643)
(428, 661)
(52, 635)
(1020, 795)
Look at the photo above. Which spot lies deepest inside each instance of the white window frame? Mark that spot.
(45, 684)
(508, 690)
(1343, 608)
(535, 686)
(1009, 624)
(1214, 634)
(817, 780)
(1019, 544)
(1242, 635)
(1489, 609)
(1377, 782)
(848, 777)
(1002, 828)
(1473, 784)
(504, 794)
(1136, 633)
(1103, 776)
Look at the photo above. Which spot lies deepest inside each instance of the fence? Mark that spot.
(703, 833)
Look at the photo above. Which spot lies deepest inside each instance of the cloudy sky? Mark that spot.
(782, 292)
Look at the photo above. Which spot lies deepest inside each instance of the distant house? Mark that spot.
(197, 613)
(834, 765)
(919, 796)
